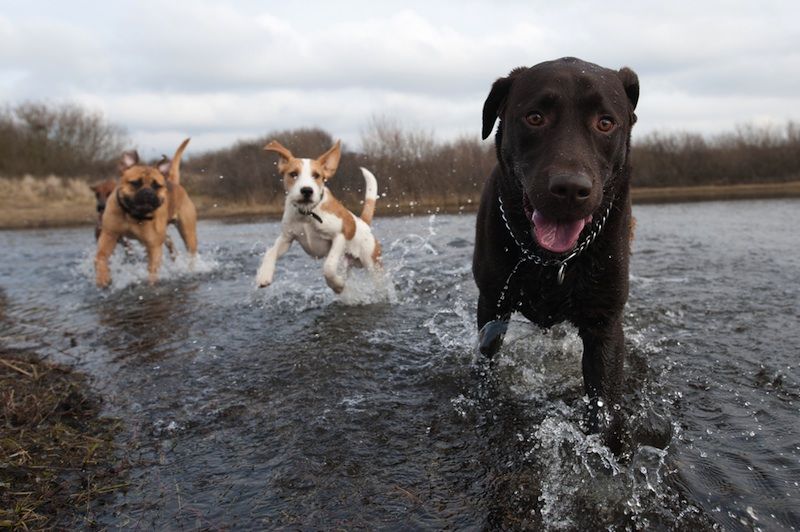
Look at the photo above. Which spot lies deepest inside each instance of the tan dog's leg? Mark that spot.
(105, 247)
(267, 269)
(333, 279)
(187, 227)
(170, 247)
(154, 254)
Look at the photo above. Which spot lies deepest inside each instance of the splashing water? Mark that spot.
(292, 407)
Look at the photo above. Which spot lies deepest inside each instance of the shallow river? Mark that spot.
(292, 407)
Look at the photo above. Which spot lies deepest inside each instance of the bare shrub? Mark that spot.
(67, 140)
(416, 168)
(750, 154)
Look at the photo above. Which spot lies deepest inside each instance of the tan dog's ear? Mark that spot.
(329, 161)
(128, 159)
(281, 150)
(163, 165)
(174, 167)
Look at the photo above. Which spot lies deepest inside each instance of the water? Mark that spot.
(291, 407)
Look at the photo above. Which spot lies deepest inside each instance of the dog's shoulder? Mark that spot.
(332, 206)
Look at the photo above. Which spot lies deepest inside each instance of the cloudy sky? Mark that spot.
(221, 71)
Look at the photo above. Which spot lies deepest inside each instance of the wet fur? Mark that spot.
(573, 93)
(314, 218)
(174, 205)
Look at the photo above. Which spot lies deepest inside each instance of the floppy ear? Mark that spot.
(631, 83)
(128, 159)
(281, 150)
(495, 103)
(330, 160)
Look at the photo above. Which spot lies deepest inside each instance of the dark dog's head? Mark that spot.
(564, 134)
(102, 191)
(143, 189)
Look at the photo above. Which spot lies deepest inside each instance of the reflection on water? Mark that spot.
(292, 407)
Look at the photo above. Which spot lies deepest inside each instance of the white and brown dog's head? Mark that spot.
(304, 179)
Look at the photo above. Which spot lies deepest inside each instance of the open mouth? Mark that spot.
(556, 236)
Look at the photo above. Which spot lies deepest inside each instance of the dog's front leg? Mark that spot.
(333, 279)
(170, 248)
(105, 247)
(267, 269)
(493, 316)
(603, 363)
(154, 254)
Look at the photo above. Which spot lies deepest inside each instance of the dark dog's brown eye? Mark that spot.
(605, 124)
(156, 185)
(137, 183)
(535, 119)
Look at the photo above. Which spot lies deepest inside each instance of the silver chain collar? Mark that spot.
(528, 255)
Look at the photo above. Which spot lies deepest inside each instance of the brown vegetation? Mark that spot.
(416, 172)
(413, 168)
(67, 140)
(749, 155)
(56, 453)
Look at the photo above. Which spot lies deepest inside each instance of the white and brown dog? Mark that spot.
(322, 226)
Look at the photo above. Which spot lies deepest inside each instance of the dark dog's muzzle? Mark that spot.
(142, 205)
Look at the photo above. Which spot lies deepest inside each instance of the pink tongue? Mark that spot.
(555, 236)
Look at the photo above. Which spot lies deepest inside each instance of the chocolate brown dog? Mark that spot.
(146, 199)
(102, 191)
(554, 225)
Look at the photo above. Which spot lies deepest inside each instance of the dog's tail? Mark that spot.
(174, 172)
(370, 196)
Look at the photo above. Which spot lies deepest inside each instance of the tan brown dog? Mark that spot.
(146, 200)
(102, 191)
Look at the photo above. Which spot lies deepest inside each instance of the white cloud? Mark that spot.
(222, 71)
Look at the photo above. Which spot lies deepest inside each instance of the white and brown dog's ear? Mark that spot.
(128, 159)
(329, 161)
(281, 150)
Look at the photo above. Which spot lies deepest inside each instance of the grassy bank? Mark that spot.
(716, 193)
(28, 207)
(56, 452)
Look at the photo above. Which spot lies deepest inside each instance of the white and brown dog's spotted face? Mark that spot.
(304, 179)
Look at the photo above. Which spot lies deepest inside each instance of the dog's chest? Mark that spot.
(312, 240)
(541, 300)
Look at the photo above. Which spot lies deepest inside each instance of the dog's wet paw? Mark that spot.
(263, 280)
(490, 338)
(102, 279)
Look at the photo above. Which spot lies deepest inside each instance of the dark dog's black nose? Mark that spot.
(306, 192)
(575, 188)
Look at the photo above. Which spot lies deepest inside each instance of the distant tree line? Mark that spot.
(411, 165)
(748, 155)
(64, 140)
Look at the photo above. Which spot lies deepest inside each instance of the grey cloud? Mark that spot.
(219, 72)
